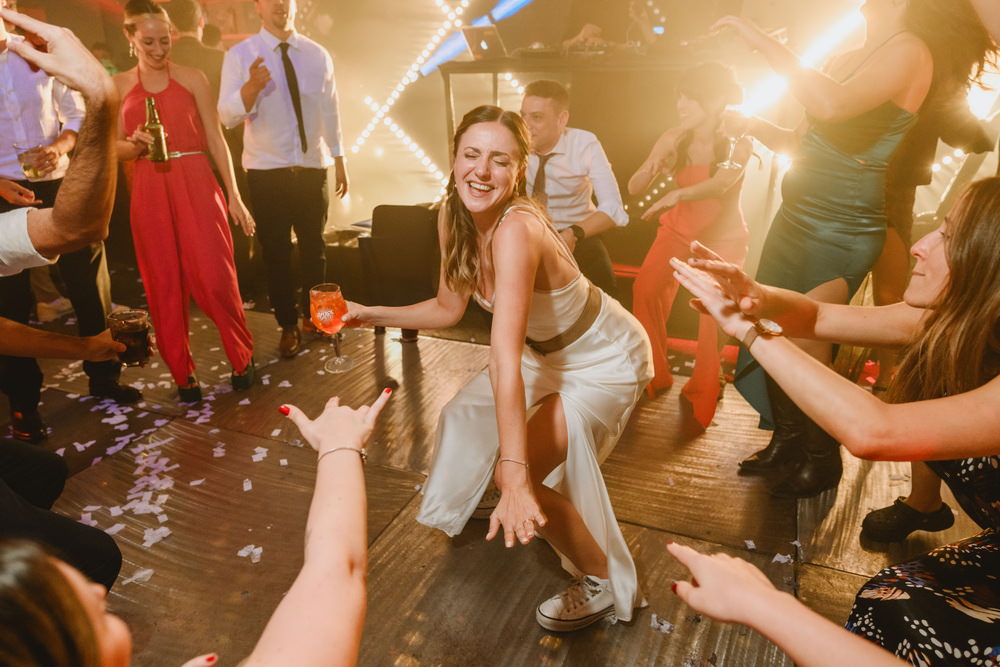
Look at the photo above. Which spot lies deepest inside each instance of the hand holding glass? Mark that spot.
(131, 328)
(733, 129)
(327, 309)
(27, 157)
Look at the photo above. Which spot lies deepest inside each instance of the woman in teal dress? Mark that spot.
(831, 225)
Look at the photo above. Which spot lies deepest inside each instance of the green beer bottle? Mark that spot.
(158, 152)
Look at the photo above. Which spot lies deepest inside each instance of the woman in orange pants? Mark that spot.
(704, 206)
(178, 212)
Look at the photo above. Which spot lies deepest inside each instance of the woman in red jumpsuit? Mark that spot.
(178, 211)
(705, 206)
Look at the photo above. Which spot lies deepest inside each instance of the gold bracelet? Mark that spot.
(363, 452)
(520, 463)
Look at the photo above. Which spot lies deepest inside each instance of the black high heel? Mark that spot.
(191, 392)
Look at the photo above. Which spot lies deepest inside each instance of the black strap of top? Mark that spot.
(870, 54)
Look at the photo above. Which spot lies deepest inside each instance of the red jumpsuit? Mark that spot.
(718, 224)
(181, 232)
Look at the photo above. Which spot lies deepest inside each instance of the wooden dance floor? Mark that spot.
(208, 504)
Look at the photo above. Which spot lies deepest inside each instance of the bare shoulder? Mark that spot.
(520, 220)
(125, 81)
(189, 77)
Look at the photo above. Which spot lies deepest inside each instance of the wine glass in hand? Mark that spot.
(733, 127)
(327, 309)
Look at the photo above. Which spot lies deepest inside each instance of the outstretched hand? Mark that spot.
(738, 286)
(711, 299)
(338, 423)
(723, 587)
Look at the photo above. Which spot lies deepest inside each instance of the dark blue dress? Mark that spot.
(944, 607)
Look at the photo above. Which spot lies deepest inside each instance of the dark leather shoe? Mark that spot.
(117, 392)
(788, 439)
(895, 522)
(28, 426)
(820, 469)
(291, 341)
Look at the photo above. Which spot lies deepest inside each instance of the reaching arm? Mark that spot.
(83, 206)
(961, 426)
(218, 148)
(444, 310)
(663, 154)
(898, 71)
(319, 621)
(732, 590)
(714, 187)
(517, 257)
(18, 340)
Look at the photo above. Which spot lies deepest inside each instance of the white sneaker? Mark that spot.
(586, 601)
(488, 503)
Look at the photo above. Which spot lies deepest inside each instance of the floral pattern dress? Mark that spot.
(944, 607)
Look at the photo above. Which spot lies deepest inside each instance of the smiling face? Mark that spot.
(487, 169)
(931, 271)
(546, 122)
(277, 16)
(113, 637)
(152, 41)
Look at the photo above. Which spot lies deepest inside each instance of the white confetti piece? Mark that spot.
(275, 433)
(115, 511)
(257, 458)
(87, 520)
(115, 529)
(153, 535)
(197, 482)
(781, 558)
(92, 508)
(245, 401)
(666, 627)
(255, 554)
(283, 462)
(60, 451)
(140, 577)
(114, 419)
(245, 551)
(284, 383)
(796, 544)
(750, 545)
(247, 485)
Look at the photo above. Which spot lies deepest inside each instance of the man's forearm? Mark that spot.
(83, 205)
(18, 340)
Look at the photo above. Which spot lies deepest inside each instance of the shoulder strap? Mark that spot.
(871, 53)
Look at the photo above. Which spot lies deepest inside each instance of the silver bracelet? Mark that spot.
(363, 452)
(520, 463)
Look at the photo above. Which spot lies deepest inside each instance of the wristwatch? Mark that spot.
(761, 327)
(578, 232)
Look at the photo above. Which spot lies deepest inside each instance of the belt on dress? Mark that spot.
(173, 155)
(590, 312)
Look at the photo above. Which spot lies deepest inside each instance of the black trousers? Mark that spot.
(31, 479)
(283, 200)
(595, 263)
(88, 286)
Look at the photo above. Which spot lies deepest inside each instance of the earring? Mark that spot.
(131, 50)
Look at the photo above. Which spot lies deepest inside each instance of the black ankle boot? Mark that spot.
(787, 440)
(820, 469)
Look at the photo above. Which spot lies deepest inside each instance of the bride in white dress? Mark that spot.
(567, 365)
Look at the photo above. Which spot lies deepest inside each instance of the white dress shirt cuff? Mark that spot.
(16, 250)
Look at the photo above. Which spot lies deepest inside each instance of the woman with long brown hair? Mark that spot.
(567, 365)
(941, 409)
(831, 225)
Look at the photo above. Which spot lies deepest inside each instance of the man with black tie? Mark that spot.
(567, 170)
(280, 85)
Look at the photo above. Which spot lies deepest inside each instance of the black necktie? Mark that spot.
(538, 187)
(293, 90)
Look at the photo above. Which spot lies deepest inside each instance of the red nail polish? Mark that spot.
(388, 390)
(212, 658)
(284, 409)
(673, 587)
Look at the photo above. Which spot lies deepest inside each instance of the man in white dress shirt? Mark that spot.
(43, 117)
(280, 85)
(567, 169)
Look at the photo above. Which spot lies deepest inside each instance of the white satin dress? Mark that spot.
(600, 377)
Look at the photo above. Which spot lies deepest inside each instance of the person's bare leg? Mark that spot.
(925, 488)
(565, 530)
